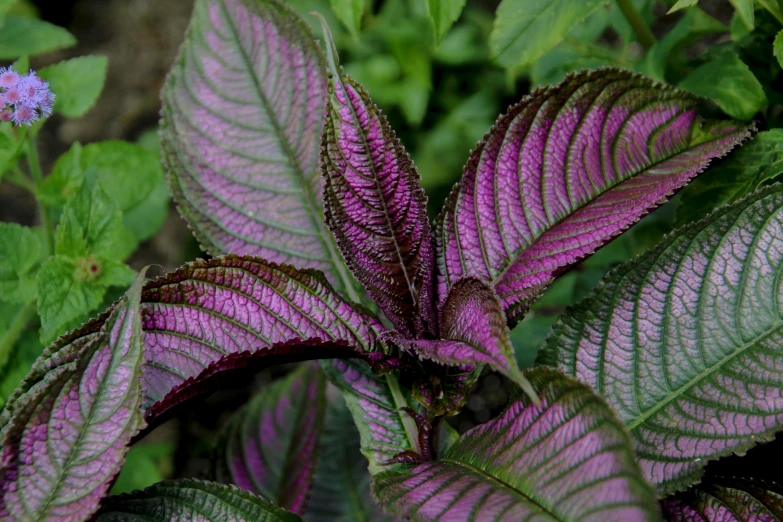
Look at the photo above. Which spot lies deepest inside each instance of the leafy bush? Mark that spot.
(294, 181)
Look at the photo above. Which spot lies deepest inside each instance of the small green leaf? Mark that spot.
(682, 4)
(21, 35)
(20, 250)
(10, 147)
(745, 9)
(350, 14)
(76, 83)
(738, 93)
(524, 31)
(65, 180)
(145, 464)
(749, 166)
(777, 48)
(443, 14)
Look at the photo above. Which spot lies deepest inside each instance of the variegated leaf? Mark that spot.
(565, 171)
(726, 500)
(685, 341)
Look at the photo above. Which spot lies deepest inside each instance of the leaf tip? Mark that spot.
(332, 58)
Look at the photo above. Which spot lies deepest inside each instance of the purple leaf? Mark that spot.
(474, 332)
(213, 316)
(567, 459)
(269, 447)
(374, 205)
(240, 126)
(66, 430)
(189, 500)
(726, 500)
(566, 170)
(341, 489)
(684, 341)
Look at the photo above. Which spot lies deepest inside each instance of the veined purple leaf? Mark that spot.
(566, 170)
(374, 205)
(684, 342)
(726, 500)
(567, 459)
(192, 500)
(239, 133)
(270, 446)
(212, 316)
(341, 489)
(66, 430)
(376, 404)
(474, 332)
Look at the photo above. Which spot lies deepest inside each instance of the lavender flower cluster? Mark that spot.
(23, 99)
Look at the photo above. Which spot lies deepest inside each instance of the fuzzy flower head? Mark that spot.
(23, 99)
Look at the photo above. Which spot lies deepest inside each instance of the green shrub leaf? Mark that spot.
(29, 36)
(77, 83)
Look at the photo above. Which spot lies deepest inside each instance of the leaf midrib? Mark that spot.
(300, 176)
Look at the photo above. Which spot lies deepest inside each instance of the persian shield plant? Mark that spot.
(293, 180)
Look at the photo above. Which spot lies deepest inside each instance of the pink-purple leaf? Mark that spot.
(568, 459)
(566, 170)
(66, 430)
(270, 446)
(241, 122)
(213, 316)
(726, 500)
(684, 342)
(374, 205)
(191, 500)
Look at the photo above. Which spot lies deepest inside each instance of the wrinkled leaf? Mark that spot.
(568, 459)
(211, 316)
(22, 35)
(726, 500)
(374, 205)
(684, 341)
(241, 123)
(743, 171)
(189, 500)
(443, 14)
(65, 431)
(20, 250)
(739, 94)
(76, 83)
(565, 171)
(524, 31)
(341, 489)
(270, 446)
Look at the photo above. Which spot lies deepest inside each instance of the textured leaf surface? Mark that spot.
(241, 123)
(524, 31)
(210, 316)
(756, 162)
(568, 459)
(374, 205)
(66, 430)
(684, 342)
(270, 446)
(384, 430)
(341, 489)
(566, 170)
(192, 500)
(726, 500)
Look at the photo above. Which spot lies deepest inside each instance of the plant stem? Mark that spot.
(407, 421)
(639, 26)
(15, 329)
(35, 170)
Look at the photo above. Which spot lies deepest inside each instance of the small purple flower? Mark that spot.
(23, 99)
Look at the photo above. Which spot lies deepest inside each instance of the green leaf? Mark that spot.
(21, 35)
(76, 83)
(682, 4)
(745, 9)
(5, 5)
(684, 341)
(65, 180)
(443, 14)
(350, 14)
(738, 93)
(21, 357)
(524, 31)
(20, 250)
(777, 47)
(185, 500)
(145, 464)
(746, 169)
